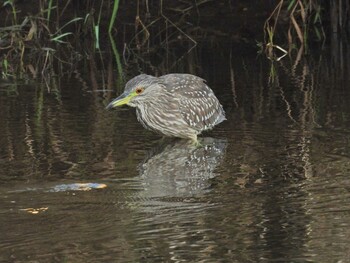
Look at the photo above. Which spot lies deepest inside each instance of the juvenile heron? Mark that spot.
(175, 105)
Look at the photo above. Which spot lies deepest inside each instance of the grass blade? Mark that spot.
(114, 15)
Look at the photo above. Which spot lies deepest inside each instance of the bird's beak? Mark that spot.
(121, 100)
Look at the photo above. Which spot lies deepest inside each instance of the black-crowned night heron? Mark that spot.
(175, 105)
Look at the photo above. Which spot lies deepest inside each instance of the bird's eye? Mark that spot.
(139, 90)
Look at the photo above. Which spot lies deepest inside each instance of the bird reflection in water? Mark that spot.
(180, 168)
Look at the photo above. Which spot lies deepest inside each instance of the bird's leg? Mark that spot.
(195, 142)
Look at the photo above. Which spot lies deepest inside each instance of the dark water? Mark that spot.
(271, 184)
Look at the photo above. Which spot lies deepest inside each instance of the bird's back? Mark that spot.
(197, 102)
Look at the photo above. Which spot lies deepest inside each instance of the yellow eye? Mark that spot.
(139, 90)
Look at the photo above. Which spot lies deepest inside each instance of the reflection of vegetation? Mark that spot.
(305, 92)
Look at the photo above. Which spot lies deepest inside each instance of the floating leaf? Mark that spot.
(34, 211)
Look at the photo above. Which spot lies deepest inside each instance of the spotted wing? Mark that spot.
(197, 102)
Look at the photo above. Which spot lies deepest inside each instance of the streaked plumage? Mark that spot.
(176, 105)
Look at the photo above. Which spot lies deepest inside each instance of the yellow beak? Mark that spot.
(121, 100)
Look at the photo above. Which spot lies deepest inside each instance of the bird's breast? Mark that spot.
(164, 118)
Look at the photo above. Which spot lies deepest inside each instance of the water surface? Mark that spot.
(271, 184)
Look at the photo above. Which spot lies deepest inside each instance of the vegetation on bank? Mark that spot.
(45, 37)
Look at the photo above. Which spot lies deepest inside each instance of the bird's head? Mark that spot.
(140, 89)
